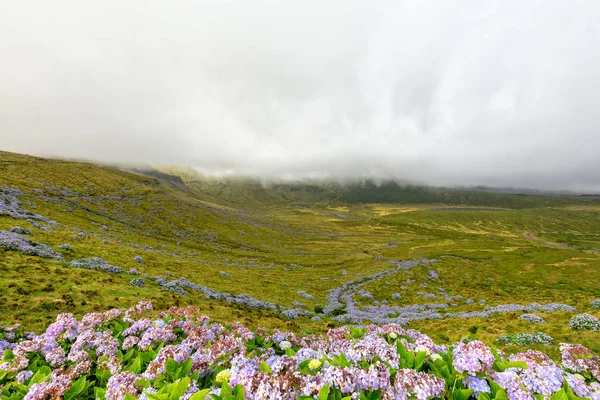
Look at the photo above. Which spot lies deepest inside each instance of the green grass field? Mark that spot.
(275, 241)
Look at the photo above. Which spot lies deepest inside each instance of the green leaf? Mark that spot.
(179, 388)
(99, 392)
(419, 359)
(462, 394)
(569, 392)
(76, 388)
(142, 383)
(517, 364)
(290, 352)
(445, 371)
(225, 389)
(16, 396)
(560, 395)
(401, 349)
(499, 366)
(172, 366)
(357, 333)
(264, 367)
(200, 395)
(136, 365)
(155, 396)
(340, 361)
(129, 397)
(127, 356)
(324, 392)
(38, 377)
(8, 355)
(239, 393)
(501, 395)
(186, 367)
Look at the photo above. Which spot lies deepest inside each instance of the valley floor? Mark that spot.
(116, 238)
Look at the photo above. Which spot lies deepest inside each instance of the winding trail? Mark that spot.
(547, 243)
(555, 245)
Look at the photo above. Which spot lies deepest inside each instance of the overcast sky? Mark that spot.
(444, 92)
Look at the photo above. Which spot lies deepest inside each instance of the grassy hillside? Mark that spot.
(309, 258)
(238, 191)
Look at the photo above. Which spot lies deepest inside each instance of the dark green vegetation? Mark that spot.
(245, 192)
(276, 240)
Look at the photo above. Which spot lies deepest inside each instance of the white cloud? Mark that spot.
(445, 92)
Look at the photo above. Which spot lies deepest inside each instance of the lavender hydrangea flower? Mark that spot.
(96, 263)
(479, 385)
(121, 384)
(473, 357)
(138, 281)
(15, 242)
(93, 346)
(23, 376)
(410, 383)
(577, 385)
(584, 321)
(21, 231)
(532, 318)
(578, 358)
(525, 339)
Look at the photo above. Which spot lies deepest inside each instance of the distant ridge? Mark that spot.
(250, 191)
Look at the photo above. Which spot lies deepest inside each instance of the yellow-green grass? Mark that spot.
(482, 254)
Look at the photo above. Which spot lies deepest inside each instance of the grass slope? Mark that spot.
(272, 247)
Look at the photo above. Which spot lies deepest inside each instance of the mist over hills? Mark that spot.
(239, 190)
(480, 93)
(248, 191)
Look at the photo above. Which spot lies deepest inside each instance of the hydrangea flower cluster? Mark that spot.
(580, 359)
(65, 247)
(584, 321)
(21, 231)
(536, 319)
(135, 353)
(138, 281)
(306, 296)
(10, 206)
(473, 357)
(433, 274)
(16, 242)
(525, 339)
(595, 304)
(96, 263)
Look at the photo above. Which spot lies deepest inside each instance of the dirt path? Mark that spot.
(530, 236)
